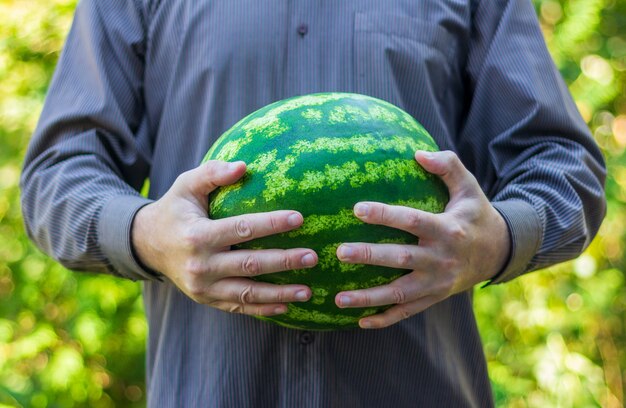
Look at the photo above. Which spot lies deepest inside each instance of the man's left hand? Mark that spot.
(466, 244)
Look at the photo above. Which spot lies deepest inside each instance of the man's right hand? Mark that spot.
(175, 237)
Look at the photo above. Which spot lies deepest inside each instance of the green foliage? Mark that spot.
(552, 338)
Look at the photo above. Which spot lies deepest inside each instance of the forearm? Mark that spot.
(78, 210)
(544, 172)
(561, 204)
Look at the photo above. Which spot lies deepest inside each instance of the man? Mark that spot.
(143, 88)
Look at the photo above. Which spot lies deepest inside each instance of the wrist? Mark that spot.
(501, 239)
(141, 238)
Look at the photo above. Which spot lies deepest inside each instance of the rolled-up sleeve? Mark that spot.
(547, 179)
(88, 156)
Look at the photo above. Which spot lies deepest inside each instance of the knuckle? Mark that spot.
(405, 313)
(456, 232)
(261, 311)
(211, 167)
(191, 239)
(208, 171)
(196, 293)
(449, 163)
(194, 269)
(383, 213)
(243, 229)
(288, 263)
(250, 266)
(399, 296)
(414, 220)
(235, 308)
(279, 297)
(405, 258)
(367, 254)
(274, 224)
(450, 157)
(448, 264)
(246, 295)
(366, 300)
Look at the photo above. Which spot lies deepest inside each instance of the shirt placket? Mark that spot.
(301, 369)
(301, 73)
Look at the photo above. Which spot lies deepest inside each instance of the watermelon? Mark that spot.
(320, 154)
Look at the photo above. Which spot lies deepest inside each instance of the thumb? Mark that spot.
(448, 167)
(208, 176)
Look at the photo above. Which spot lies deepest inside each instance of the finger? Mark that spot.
(250, 309)
(405, 289)
(391, 255)
(450, 169)
(397, 313)
(205, 178)
(246, 291)
(417, 222)
(248, 263)
(241, 228)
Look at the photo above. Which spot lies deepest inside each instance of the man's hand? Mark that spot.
(467, 244)
(175, 237)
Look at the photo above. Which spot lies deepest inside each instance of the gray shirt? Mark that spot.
(144, 87)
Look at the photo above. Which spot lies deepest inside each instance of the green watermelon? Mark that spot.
(320, 154)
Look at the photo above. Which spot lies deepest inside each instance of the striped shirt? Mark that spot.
(144, 87)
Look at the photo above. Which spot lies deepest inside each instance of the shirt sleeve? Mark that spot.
(548, 173)
(89, 154)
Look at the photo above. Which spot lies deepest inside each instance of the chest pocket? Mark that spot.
(404, 60)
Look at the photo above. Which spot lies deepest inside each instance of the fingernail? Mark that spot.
(345, 251)
(294, 219)
(344, 300)
(361, 210)
(232, 166)
(366, 324)
(427, 155)
(280, 310)
(308, 260)
(302, 295)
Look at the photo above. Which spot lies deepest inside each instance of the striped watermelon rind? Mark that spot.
(320, 154)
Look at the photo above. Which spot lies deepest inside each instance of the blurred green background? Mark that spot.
(553, 338)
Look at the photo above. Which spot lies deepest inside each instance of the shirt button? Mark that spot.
(303, 29)
(306, 338)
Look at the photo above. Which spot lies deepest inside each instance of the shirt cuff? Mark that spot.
(114, 236)
(525, 232)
